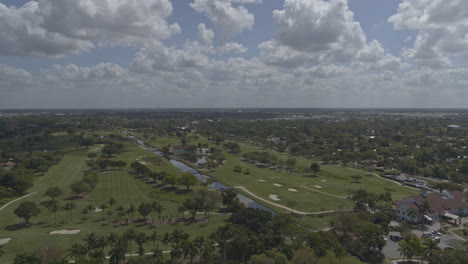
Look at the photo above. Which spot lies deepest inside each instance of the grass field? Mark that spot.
(334, 180)
(120, 185)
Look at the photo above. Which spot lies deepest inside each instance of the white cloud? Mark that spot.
(230, 19)
(74, 73)
(443, 30)
(12, 79)
(54, 28)
(323, 72)
(158, 57)
(230, 48)
(205, 36)
(318, 31)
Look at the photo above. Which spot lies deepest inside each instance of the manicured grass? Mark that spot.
(459, 232)
(120, 185)
(333, 179)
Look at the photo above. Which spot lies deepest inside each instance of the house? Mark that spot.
(8, 165)
(202, 151)
(182, 149)
(451, 205)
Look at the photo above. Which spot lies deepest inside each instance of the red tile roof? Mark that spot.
(439, 203)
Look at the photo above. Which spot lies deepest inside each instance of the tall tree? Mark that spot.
(26, 210)
(53, 192)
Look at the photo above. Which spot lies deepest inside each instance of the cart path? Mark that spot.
(17, 199)
(329, 194)
(285, 207)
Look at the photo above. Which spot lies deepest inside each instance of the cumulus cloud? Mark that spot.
(443, 30)
(318, 31)
(158, 57)
(74, 73)
(12, 78)
(323, 72)
(54, 28)
(205, 36)
(230, 19)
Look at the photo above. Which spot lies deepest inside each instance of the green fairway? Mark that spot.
(333, 180)
(120, 185)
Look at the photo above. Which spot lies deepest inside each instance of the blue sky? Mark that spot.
(232, 53)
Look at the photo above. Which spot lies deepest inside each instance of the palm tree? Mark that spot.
(68, 207)
(77, 251)
(90, 208)
(55, 208)
(120, 215)
(165, 240)
(71, 206)
(91, 241)
(424, 207)
(109, 215)
(140, 238)
(130, 236)
(159, 208)
(199, 243)
(112, 239)
(429, 246)
(403, 249)
(157, 255)
(190, 249)
(176, 252)
(85, 213)
(111, 202)
(154, 236)
(181, 210)
(223, 234)
(117, 254)
(131, 210)
(208, 250)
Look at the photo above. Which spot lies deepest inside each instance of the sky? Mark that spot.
(233, 53)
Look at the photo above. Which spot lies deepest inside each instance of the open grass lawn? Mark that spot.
(120, 185)
(332, 179)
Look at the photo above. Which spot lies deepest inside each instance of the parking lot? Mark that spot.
(446, 240)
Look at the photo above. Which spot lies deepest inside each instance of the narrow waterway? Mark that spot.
(215, 185)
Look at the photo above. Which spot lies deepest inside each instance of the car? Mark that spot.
(436, 238)
(427, 234)
(448, 248)
(395, 238)
(436, 233)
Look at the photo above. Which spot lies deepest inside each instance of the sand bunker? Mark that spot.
(65, 232)
(4, 241)
(97, 210)
(261, 180)
(144, 163)
(277, 184)
(274, 197)
(323, 180)
(318, 186)
(292, 190)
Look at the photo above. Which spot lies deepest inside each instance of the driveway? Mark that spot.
(390, 250)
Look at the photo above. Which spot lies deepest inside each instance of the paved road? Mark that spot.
(390, 250)
(17, 199)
